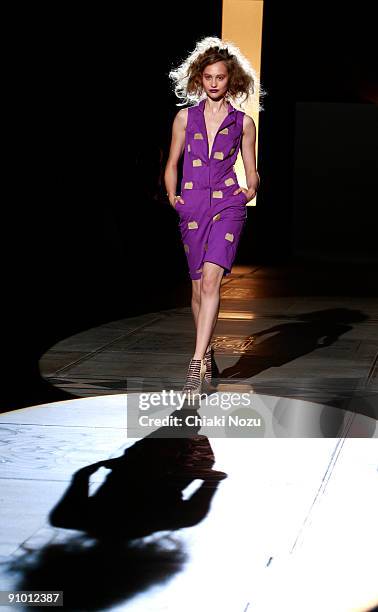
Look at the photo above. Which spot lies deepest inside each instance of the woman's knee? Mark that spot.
(210, 283)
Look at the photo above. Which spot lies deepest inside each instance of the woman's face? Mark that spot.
(215, 80)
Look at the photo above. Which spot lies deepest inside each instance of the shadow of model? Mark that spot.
(289, 341)
(143, 492)
(120, 552)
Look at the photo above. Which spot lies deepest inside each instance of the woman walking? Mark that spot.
(211, 205)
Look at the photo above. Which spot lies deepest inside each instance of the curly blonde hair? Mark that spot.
(243, 79)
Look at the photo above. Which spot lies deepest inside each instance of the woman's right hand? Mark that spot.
(174, 199)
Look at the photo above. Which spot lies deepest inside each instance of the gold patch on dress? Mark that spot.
(218, 155)
(186, 248)
(192, 225)
(198, 136)
(216, 217)
(224, 131)
(188, 148)
(188, 185)
(197, 162)
(229, 181)
(229, 237)
(232, 150)
(217, 194)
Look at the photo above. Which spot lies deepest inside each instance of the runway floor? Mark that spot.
(280, 519)
(239, 524)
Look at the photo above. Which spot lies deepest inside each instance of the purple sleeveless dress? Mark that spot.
(212, 218)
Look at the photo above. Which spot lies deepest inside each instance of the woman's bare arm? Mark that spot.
(248, 151)
(176, 150)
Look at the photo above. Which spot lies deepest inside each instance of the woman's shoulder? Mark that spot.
(182, 117)
(182, 113)
(246, 122)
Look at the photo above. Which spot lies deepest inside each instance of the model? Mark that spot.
(211, 205)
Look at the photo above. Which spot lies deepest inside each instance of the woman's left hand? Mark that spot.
(249, 193)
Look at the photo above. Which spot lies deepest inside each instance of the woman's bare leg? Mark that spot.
(196, 299)
(207, 313)
(196, 302)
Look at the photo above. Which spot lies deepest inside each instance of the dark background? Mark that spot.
(88, 236)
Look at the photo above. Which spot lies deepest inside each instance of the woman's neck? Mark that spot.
(215, 106)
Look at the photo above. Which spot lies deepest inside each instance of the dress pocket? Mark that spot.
(241, 198)
(180, 208)
(192, 199)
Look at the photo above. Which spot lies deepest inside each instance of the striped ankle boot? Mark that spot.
(195, 376)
